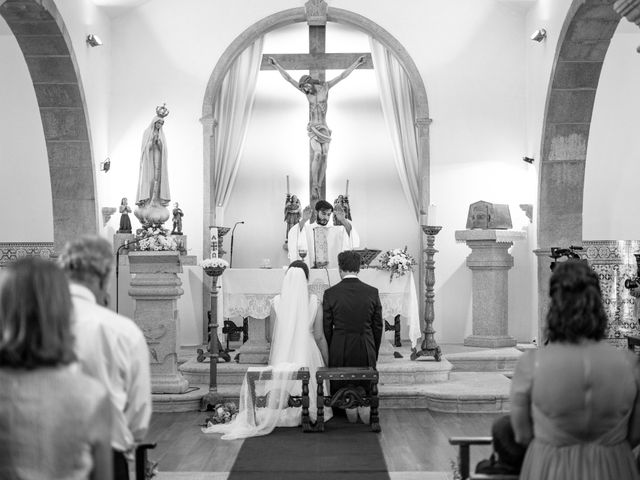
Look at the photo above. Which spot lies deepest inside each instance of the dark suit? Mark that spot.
(352, 323)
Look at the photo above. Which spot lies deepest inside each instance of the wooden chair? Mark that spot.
(144, 469)
(294, 401)
(348, 397)
(464, 444)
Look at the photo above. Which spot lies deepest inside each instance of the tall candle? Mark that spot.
(346, 190)
(432, 214)
(287, 184)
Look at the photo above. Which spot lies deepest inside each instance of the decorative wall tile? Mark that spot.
(13, 251)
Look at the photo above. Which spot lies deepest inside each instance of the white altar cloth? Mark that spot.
(246, 292)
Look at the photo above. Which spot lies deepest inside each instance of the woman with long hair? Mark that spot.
(55, 421)
(575, 402)
(297, 341)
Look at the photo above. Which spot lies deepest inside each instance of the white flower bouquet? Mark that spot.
(397, 261)
(214, 266)
(156, 239)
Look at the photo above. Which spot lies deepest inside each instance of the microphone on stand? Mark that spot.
(231, 253)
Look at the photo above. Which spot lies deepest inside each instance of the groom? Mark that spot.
(352, 318)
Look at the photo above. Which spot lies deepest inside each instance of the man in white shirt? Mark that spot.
(110, 347)
(321, 241)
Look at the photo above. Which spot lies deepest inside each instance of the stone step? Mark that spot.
(393, 371)
(501, 360)
(484, 392)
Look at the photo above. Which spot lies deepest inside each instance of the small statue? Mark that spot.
(177, 219)
(342, 204)
(125, 222)
(292, 212)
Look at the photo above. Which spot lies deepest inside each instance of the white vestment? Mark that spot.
(338, 240)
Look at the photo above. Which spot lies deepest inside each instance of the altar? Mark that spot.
(248, 292)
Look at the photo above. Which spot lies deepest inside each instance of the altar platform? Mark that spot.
(467, 380)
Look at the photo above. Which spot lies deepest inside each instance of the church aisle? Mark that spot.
(413, 442)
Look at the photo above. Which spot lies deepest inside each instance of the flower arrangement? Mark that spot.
(215, 263)
(156, 238)
(222, 413)
(397, 261)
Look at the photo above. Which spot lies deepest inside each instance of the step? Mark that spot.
(501, 360)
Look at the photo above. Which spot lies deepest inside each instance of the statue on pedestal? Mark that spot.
(177, 219)
(292, 212)
(153, 183)
(125, 221)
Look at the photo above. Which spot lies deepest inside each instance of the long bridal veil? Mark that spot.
(292, 347)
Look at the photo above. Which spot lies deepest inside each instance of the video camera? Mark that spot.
(557, 252)
(634, 282)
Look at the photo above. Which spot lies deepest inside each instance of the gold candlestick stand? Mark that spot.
(429, 347)
(213, 397)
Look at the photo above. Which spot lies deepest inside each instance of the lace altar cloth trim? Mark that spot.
(614, 262)
(248, 293)
(11, 251)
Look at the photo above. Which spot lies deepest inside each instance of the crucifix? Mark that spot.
(316, 89)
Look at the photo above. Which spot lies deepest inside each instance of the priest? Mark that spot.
(319, 243)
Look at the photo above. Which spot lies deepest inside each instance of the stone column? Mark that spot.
(155, 288)
(490, 263)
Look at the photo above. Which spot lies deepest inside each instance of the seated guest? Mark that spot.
(576, 402)
(507, 455)
(55, 422)
(321, 241)
(110, 347)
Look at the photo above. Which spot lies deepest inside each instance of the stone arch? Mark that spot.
(582, 46)
(297, 15)
(46, 46)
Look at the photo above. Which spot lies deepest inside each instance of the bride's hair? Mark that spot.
(302, 265)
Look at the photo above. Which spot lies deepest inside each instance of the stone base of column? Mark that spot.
(175, 383)
(256, 349)
(489, 341)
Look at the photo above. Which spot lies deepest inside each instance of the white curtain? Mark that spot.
(231, 111)
(396, 97)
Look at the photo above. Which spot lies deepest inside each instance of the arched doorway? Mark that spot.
(44, 42)
(582, 46)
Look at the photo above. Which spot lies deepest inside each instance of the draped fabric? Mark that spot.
(396, 97)
(231, 112)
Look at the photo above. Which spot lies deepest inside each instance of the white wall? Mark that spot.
(613, 152)
(25, 186)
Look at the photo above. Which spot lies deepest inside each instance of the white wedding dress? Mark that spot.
(293, 346)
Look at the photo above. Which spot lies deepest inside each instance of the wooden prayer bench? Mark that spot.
(464, 443)
(348, 396)
(294, 400)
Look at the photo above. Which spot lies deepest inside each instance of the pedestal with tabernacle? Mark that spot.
(348, 396)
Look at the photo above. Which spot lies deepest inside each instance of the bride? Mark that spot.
(297, 341)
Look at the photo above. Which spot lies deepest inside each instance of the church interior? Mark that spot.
(524, 107)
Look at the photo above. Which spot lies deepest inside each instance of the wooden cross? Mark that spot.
(317, 61)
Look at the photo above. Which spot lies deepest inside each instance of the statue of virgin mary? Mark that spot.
(153, 183)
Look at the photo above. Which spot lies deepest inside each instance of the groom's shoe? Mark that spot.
(352, 414)
(365, 414)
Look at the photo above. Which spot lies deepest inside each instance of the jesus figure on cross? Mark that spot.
(317, 93)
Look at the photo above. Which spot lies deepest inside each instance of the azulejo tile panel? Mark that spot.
(614, 262)
(12, 251)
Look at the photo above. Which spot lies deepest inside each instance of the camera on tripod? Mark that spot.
(557, 252)
(634, 282)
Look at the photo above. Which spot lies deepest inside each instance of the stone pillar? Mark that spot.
(256, 348)
(490, 263)
(155, 288)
